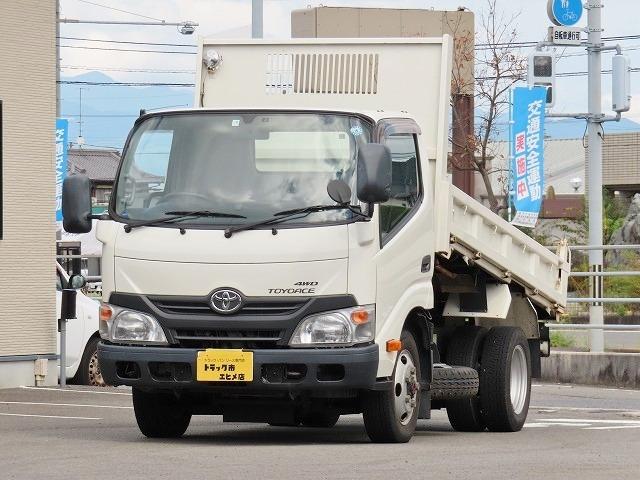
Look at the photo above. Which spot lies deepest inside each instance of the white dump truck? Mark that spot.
(290, 250)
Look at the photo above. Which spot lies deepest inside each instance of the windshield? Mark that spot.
(244, 166)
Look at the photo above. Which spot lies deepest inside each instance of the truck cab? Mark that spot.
(293, 263)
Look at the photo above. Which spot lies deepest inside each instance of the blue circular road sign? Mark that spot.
(564, 12)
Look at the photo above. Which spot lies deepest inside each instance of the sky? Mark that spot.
(232, 18)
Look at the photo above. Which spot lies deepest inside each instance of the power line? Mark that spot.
(80, 39)
(125, 84)
(127, 50)
(122, 69)
(562, 74)
(105, 115)
(119, 10)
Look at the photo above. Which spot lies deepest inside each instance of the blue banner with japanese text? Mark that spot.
(527, 152)
(62, 134)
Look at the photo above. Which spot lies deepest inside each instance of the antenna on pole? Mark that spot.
(257, 18)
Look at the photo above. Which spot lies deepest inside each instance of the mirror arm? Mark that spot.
(367, 216)
(101, 216)
(370, 209)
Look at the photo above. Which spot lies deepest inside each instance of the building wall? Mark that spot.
(621, 161)
(27, 90)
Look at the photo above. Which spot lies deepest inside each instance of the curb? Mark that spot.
(611, 369)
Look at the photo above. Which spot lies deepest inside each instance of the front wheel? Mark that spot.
(160, 414)
(505, 379)
(89, 372)
(391, 416)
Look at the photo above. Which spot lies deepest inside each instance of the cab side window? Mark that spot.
(405, 182)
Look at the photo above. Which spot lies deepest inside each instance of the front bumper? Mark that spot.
(273, 369)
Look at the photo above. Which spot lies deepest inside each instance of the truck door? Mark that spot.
(405, 260)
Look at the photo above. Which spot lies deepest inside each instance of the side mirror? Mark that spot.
(339, 192)
(374, 173)
(76, 204)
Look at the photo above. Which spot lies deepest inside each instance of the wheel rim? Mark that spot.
(405, 387)
(95, 375)
(519, 379)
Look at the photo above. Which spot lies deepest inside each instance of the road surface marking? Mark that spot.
(48, 416)
(62, 404)
(553, 423)
(551, 385)
(584, 409)
(584, 424)
(614, 427)
(75, 391)
(589, 420)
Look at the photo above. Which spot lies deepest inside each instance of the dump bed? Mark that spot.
(505, 252)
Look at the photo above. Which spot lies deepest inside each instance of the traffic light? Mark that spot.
(541, 72)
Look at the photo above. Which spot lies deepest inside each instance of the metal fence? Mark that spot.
(599, 329)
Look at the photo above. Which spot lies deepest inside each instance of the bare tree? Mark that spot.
(498, 67)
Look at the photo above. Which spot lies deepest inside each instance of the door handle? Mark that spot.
(425, 266)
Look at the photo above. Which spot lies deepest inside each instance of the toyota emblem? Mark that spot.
(226, 300)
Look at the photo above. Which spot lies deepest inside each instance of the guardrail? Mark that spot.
(597, 329)
(588, 326)
(618, 273)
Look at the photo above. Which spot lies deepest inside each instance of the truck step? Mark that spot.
(451, 383)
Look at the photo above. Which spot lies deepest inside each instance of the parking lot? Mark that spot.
(82, 432)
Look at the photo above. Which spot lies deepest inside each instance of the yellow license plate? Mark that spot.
(217, 365)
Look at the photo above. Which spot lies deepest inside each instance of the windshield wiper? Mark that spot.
(180, 215)
(279, 217)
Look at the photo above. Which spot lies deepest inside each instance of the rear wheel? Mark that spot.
(390, 416)
(464, 350)
(160, 414)
(505, 379)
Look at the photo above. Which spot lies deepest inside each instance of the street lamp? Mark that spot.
(576, 183)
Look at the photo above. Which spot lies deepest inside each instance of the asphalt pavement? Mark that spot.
(88, 433)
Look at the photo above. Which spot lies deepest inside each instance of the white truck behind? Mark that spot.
(290, 250)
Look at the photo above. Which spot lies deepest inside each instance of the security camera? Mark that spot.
(213, 60)
(187, 28)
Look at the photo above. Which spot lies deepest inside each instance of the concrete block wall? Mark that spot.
(611, 369)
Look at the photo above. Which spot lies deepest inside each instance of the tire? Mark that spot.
(387, 417)
(505, 379)
(320, 419)
(451, 383)
(465, 349)
(160, 414)
(89, 371)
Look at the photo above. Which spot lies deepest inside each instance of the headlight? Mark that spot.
(344, 327)
(120, 325)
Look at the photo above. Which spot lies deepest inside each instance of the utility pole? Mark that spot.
(257, 18)
(567, 13)
(594, 161)
(58, 111)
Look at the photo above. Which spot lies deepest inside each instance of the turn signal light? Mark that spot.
(394, 345)
(105, 312)
(360, 317)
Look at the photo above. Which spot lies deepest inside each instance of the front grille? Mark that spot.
(252, 306)
(205, 338)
